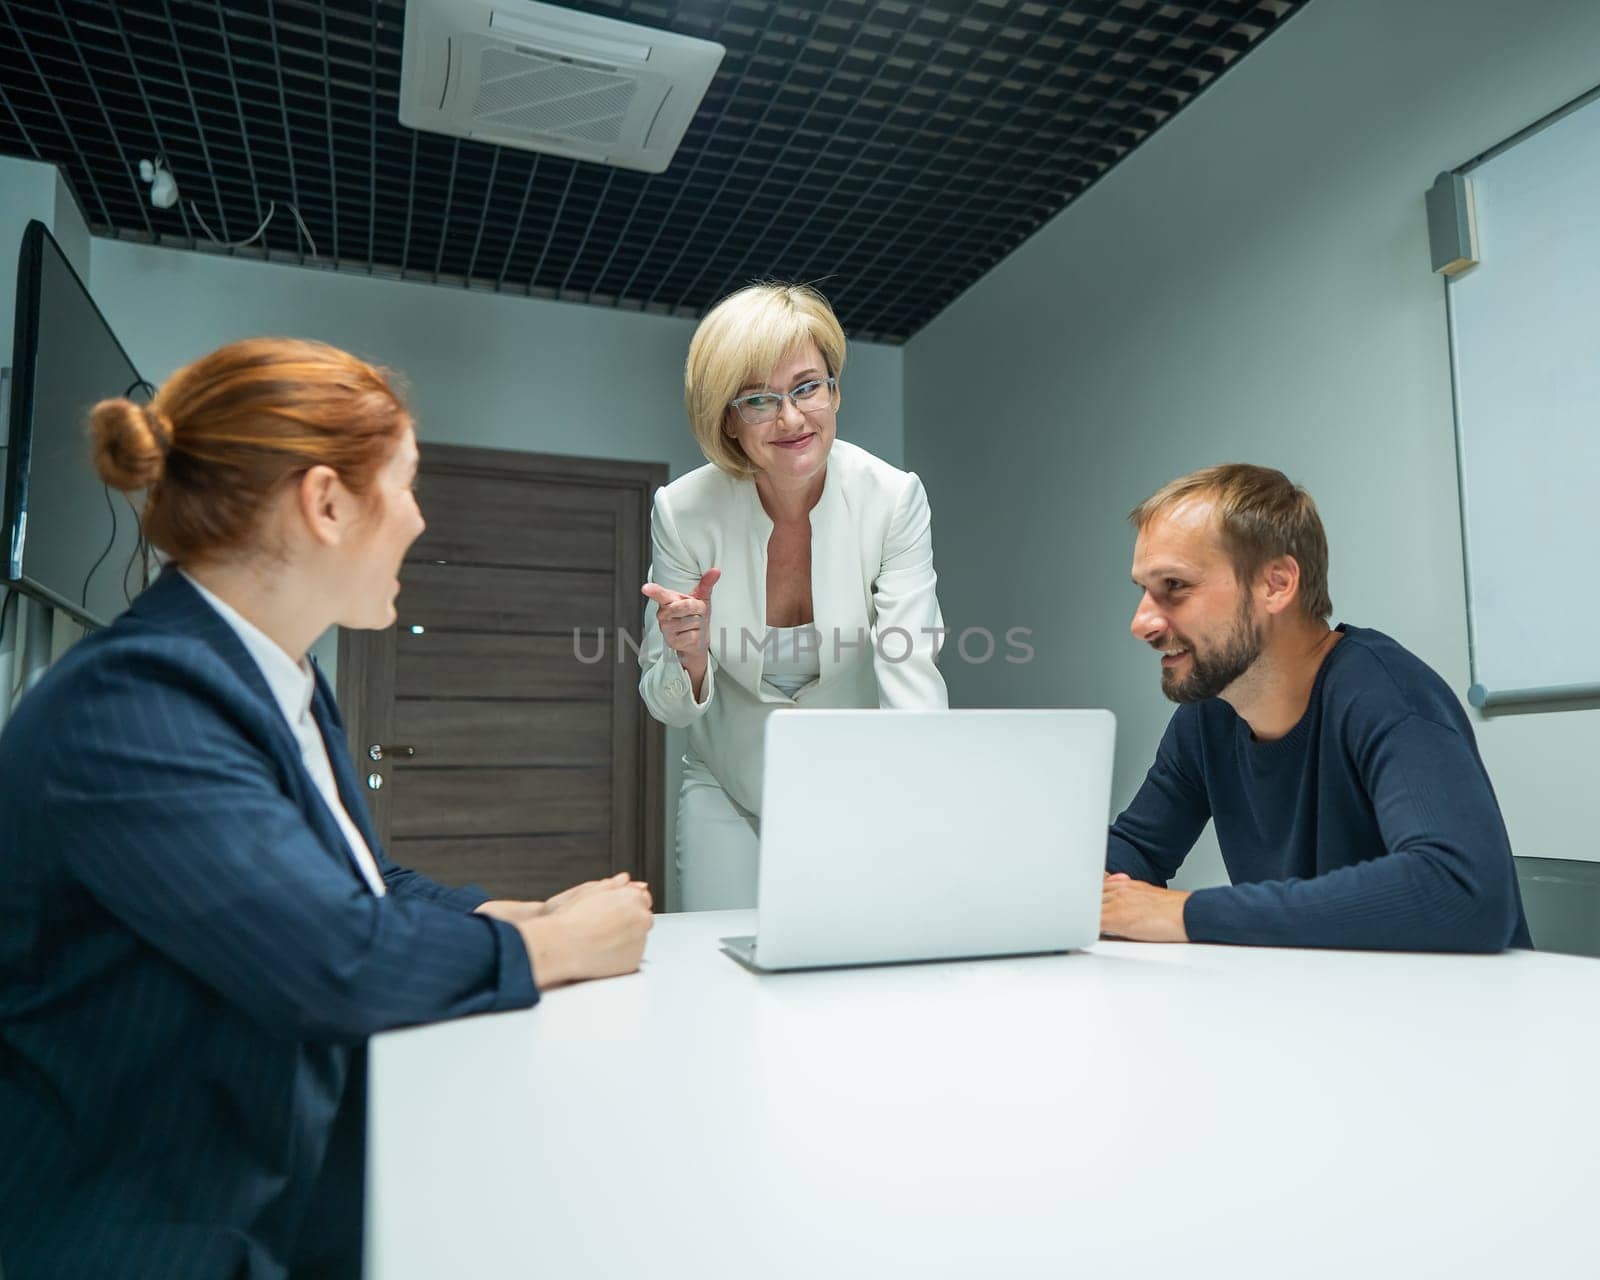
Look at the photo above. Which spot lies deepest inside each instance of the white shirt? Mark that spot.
(292, 685)
(796, 662)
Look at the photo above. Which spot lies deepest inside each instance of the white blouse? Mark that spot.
(797, 661)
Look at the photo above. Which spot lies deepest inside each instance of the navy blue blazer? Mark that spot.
(190, 961)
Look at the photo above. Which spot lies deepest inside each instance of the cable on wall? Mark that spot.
(141, 545)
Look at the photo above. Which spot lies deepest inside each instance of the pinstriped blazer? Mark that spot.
(190, 961)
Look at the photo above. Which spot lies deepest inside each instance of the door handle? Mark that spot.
(377, 751)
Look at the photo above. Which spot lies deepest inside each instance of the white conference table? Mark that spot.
(1130, 1110)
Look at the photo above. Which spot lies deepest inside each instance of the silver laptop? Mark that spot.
(889, 836)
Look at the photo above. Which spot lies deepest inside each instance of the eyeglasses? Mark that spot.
(808, 397)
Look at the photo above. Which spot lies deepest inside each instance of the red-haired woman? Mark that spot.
(201, 930)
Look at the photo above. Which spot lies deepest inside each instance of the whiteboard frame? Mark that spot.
(1479, 694)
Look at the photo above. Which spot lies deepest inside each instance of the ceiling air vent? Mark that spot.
(544, 78)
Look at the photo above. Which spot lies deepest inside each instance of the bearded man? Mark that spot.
(1350, 802)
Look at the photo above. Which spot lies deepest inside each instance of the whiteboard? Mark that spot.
(1525, 352)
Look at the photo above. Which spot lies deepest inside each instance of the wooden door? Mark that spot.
(535, 767)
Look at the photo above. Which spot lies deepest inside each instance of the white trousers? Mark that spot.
(719, 845)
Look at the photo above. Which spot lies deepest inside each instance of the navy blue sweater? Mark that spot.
(1372, 823)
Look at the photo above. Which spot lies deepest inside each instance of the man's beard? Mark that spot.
(1209, 674)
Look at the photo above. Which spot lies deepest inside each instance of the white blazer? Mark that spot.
(872, 594)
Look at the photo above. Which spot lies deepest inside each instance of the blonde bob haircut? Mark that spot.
(738, 344)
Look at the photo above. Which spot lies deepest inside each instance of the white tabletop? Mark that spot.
(1132, 1110)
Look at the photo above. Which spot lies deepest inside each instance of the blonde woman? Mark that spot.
(793, 570)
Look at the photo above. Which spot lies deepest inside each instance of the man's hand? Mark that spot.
(685, 622)
(1141, 912)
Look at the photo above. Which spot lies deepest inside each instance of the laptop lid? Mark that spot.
(913, 835)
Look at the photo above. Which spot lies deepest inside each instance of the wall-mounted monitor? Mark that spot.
(68, 540)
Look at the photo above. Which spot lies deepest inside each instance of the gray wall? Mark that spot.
(482, 369)
(1251, 284)
(30, 190)
(27, 191)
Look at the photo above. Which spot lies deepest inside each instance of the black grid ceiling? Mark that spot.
(892, 151)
